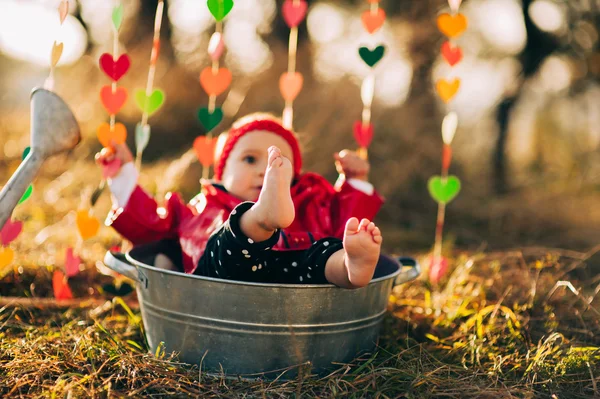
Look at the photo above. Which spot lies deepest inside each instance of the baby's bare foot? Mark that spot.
(362, 243)
(275, 208)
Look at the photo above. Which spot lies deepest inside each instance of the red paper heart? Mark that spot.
(293, 14)
(10, 231)
(115, 69)
(452, 54)
(60, 286)
(363, 134)
(113, 102)
(72, 262)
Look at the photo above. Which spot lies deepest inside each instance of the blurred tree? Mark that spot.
(539, 46)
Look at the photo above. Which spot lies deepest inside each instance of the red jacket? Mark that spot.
(321, 211)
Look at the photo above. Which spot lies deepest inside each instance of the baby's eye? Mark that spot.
(249, 159)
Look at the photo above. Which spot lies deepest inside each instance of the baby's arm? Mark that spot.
(355, 196)
(135, 214)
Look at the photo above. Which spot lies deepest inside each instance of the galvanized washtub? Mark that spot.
(246, 329)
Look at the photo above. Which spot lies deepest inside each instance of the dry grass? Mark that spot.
(499, 326)
(524, 323)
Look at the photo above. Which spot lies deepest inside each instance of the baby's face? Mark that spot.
(246, 165)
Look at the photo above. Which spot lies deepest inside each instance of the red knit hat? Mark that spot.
(268, 125)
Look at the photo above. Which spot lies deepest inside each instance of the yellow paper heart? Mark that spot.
(447, 90)
(88, 225)
(452, 25)
(57, 50)
(6, 257)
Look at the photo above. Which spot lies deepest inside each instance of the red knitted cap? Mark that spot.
(268, 125)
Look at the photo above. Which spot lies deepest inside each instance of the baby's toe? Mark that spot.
(363, 224)
(352, 225)
(370, 227)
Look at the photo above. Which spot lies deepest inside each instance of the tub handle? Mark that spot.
(118, 262)
(410, 270)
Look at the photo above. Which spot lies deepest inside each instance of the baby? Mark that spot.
(261, 219)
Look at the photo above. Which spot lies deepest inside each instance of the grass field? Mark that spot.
(521, 323)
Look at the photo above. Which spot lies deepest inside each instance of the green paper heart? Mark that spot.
(117, 16)
(142, 136)
(149, 104)
(444, 191)
(26, 152)
(26, 194)
(219, 8)
(371, 57)
(208, 120)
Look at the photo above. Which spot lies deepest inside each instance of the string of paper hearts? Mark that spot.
(214, 80)
(148, 100)
(113, 99)
(445, 188)
(290, 82)
(12, 228)
(372, 20)
(57, 46)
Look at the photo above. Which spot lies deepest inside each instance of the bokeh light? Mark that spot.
(28, 31)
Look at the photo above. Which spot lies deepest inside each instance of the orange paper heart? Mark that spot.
(113, 102)
(447, 90)
(6, 257)
(57, 50)
(290, 85)
(373, 21)
(205, 150)
(452, 25)
(215, 84)
(88, 225)
(105, 135)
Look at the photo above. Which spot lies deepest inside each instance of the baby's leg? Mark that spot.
(232, 255)
(274, 208)
(163, 262)
(353, 267)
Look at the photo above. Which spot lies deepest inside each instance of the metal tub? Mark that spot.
(242, 328)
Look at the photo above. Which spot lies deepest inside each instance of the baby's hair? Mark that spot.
(241, 122)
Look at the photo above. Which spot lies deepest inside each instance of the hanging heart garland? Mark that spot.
(452, 54)
(219, 8)
(106, 136)
(87, 225)
(204, 147)
(7, 255)
(10, 231)
(363, 134)
(113, 102)
(294, 12)
(373, 21)
(210, 120)
(371, 57)
(444, 190)
(149, 104)
(215, 83)
(115, 68)
(290, 85)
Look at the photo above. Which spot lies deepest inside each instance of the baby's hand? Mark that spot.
(351, 165)
(117, 151)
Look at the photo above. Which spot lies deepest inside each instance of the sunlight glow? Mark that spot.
(28, 31)
(548, 15)
(555, 74)
(337, 34)
(501, 24)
